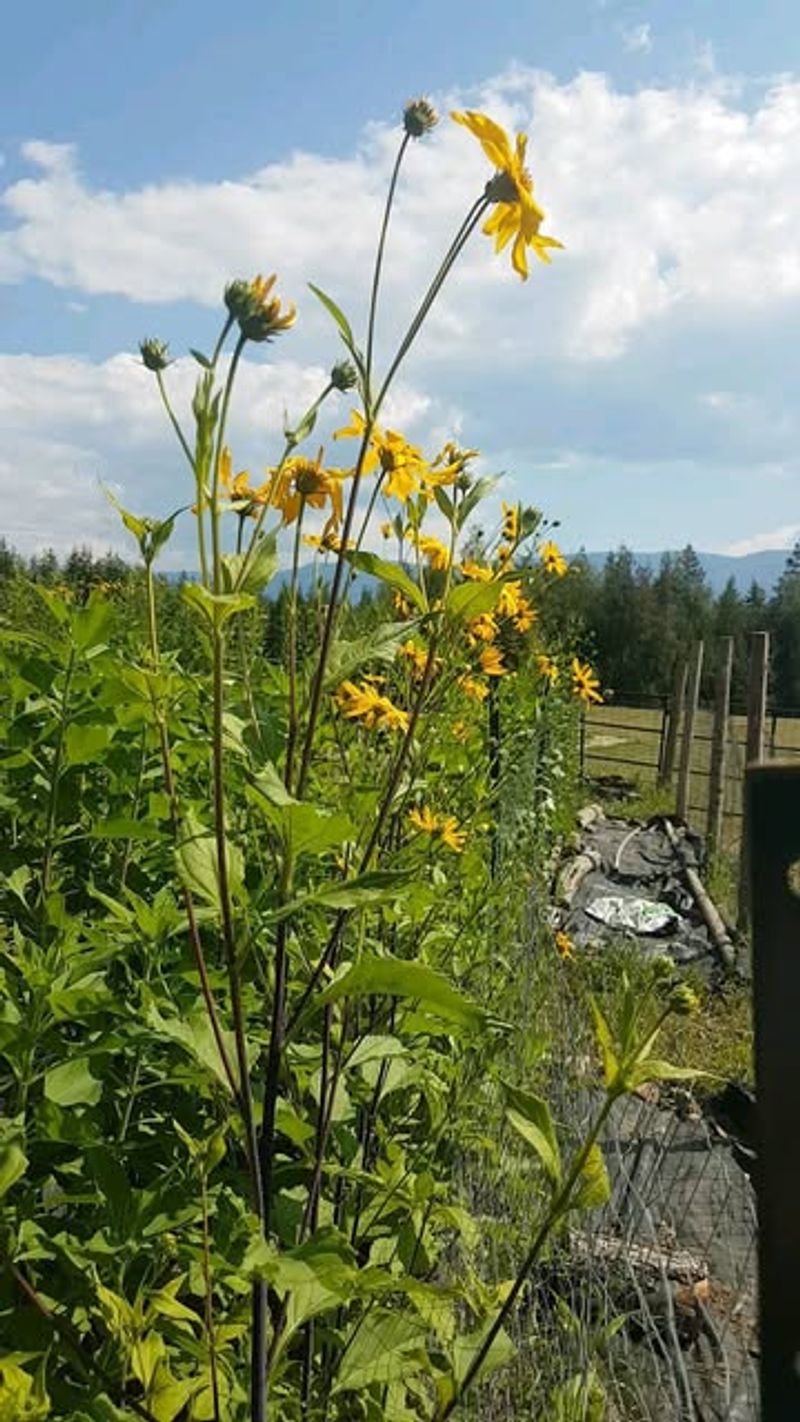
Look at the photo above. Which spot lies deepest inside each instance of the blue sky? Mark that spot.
(642, 389)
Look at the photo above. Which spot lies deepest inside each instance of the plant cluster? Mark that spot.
(254, 918)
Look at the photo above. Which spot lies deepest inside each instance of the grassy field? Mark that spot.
(623, 740)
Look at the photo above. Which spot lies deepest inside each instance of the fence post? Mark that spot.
(757, 673)
(719, 746)
(773, 829)
(677, 699)
(689, 716)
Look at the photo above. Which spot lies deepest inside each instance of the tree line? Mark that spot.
(634, 623)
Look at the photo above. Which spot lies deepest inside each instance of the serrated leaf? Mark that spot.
(196, 856)
(386, 1347)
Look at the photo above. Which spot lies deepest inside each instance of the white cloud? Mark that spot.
(776, 538)
(672, 202)
(638, 39)
(71, 425)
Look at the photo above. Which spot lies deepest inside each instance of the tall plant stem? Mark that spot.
(209, 1300)
(291, 734)
(55, 777)
(220, 443)
(376, 277)
(465, 230)
(558, 1209)
(192, 462)
(174, 813)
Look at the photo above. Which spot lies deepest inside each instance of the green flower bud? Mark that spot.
(155, 354)
(419, 117)
(237, 298)
(684, 1000)
(344, 375)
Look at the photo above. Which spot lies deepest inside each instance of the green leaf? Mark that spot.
(386, 1347)
(390, 573)
(249, 573)
(215, 608)
(83, 743)
(651, 1069)
(469, 503)
(196, 855)
(378, 886)
(379, 645)
(465, 1348)
(72, 1084)
(337, 314)
(593, 1188)
(13, 1164)
(91, 625)
(200, 358)
(467, 600)
(606, 1043)
(120, 827)
(196, 1036)
(531, 1118)
(397, 977)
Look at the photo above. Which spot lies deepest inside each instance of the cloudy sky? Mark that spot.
(642, 389)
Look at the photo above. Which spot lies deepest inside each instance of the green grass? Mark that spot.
(619, 734)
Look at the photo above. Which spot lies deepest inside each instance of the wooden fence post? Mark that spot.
(689, 716)
(773, 830)
(719, 746)
(757, 674)
(677, 699)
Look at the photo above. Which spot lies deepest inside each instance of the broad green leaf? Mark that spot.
(378, 886)
(13, 1164)
(390, 573)
(531, 1118)
(83, 744)
(651, 1069)
(473, 497)
(396, 977)
(120, 827)
(467, 600)
(215, 608)
(72, 1084)
(195, 1034)
(91, 625)
(501, 1351)
(380, 645)
(198, 865)
(385, 1347)
(249, 573)
(593, 1188)
(375, 1048)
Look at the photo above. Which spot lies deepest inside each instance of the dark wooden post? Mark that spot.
(689, 717)
(677, 699)
(757, 673)
(719, 746)
(772, 794)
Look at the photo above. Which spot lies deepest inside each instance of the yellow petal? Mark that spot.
(519, 257)
(492, 138)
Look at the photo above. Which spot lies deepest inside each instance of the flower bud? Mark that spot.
(344, 375)
(419, 117)
(155, 354)
(684, 1000)
(237, 298)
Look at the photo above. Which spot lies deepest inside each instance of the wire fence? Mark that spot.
(622, 747)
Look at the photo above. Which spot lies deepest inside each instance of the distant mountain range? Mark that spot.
(763, 568)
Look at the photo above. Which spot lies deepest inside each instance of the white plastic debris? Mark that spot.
(637, 915)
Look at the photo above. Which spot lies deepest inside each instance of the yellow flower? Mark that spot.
(477, 572)
(584, 682)
(326, 542)
(401, 605)
(548, 669)
(460, 731)
(437, 554)
(445, 826)
(258, 312)
(400, 461)
(418, 656)
(553, 559)
(525, 618)
(564, 945)
(424, 820)
(450, 463)
(452, 836)
(504, 554)
(303, 481)
(365, 703)
(510, 523)
(491, 660)
(386, 530)
(516, 215)
(482, 629)
(474, 689)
